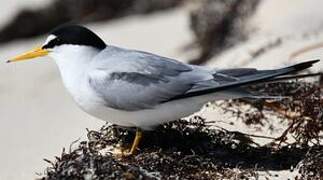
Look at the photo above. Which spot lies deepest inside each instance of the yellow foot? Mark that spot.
(122, 153)
(126, 153)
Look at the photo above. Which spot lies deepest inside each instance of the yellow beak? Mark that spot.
(36, 52)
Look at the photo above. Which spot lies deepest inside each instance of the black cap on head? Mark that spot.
(76, 35)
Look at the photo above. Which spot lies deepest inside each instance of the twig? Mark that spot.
(278, 109)
(282, 137)
(73, 143)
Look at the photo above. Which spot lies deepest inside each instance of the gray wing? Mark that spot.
(132, 80)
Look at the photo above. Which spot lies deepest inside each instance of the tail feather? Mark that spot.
(261, 77)
(298, 67)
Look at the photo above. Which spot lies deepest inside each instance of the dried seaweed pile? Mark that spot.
(179, 149)
(193, 150)
(301, 105)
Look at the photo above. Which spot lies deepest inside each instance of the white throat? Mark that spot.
(69, 56)
(73, 62)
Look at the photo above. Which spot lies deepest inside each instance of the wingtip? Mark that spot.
(305, 65)
(314, 61)
(310, 61)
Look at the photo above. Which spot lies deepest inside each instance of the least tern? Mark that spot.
(139, 89)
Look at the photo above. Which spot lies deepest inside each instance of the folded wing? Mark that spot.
(151, 79)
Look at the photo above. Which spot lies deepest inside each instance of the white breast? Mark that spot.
(73, 63)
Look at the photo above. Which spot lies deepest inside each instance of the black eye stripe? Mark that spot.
(75, 35)
(53, 43)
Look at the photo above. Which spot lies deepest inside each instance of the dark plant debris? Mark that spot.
(301, 104)
(218, 25)
(194, 150)
(180, 149)
(42, 20)
(312, 165)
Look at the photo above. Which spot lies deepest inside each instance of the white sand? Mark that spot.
(39, 117)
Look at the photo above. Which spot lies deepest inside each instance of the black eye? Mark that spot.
(51, 44)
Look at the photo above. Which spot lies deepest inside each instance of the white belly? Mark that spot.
(149, 118)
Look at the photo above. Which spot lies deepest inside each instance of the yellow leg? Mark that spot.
(135, 142)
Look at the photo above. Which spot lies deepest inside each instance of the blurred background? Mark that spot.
(38, 117)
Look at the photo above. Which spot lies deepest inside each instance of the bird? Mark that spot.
(132, 88)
